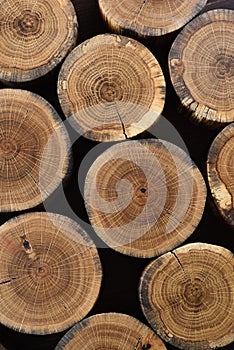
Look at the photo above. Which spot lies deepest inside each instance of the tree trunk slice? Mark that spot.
(220, 171)
(149, 17)
(50, 273)
(201, 66)
(35, 37)
(111, 87)
(34, 150)
(110, 331)
(188, 296)
(144, 197)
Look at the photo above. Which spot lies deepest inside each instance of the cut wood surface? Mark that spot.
(149, 17)
(220, 171)
(187, 296)
(110, 331)
(201, 63)
(144, 197)
(34, 149)
(50, 273)
(35, 37)
(111, 87)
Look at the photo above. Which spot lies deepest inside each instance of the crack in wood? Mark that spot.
(172, 252)
(121, 121)
(8, 281)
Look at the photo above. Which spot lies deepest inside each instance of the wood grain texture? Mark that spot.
(35, 37)
(149, 17)
(144, 197)
(111, 87)
(50, 273)
(201, 63)
(110, 331)
(34, 149)
(220, 172)
(187, 296)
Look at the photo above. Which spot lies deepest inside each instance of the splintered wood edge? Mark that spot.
(222, 192)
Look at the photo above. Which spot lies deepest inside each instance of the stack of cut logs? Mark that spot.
(150, 80)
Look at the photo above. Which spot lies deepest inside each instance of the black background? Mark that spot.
(121, 273)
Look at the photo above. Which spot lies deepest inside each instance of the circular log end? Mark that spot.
(50, 274)
(144, 197)
(111, 88)
(34, 150)
(187, 296)
(35, 37)
(201, 63)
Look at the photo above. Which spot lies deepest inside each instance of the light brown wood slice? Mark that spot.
(187, 295)
(144, 197)
(201, 63)
(2, 347)
(35, 37)
(220, 172)
(111, 87)
(110, 331)
(50, 273)
(34, 149)
(149, 17)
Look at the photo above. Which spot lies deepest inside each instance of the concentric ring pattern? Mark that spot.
(111, 87)
(144, 197)
(187, 296)
(50, 273)
(34, 149)
(35, 36)
(202, 67)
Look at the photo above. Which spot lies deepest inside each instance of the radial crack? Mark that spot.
(121, 121)
(138, 343)
(172, 252)
(139, 12)
(8, 281)
(141, 7)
